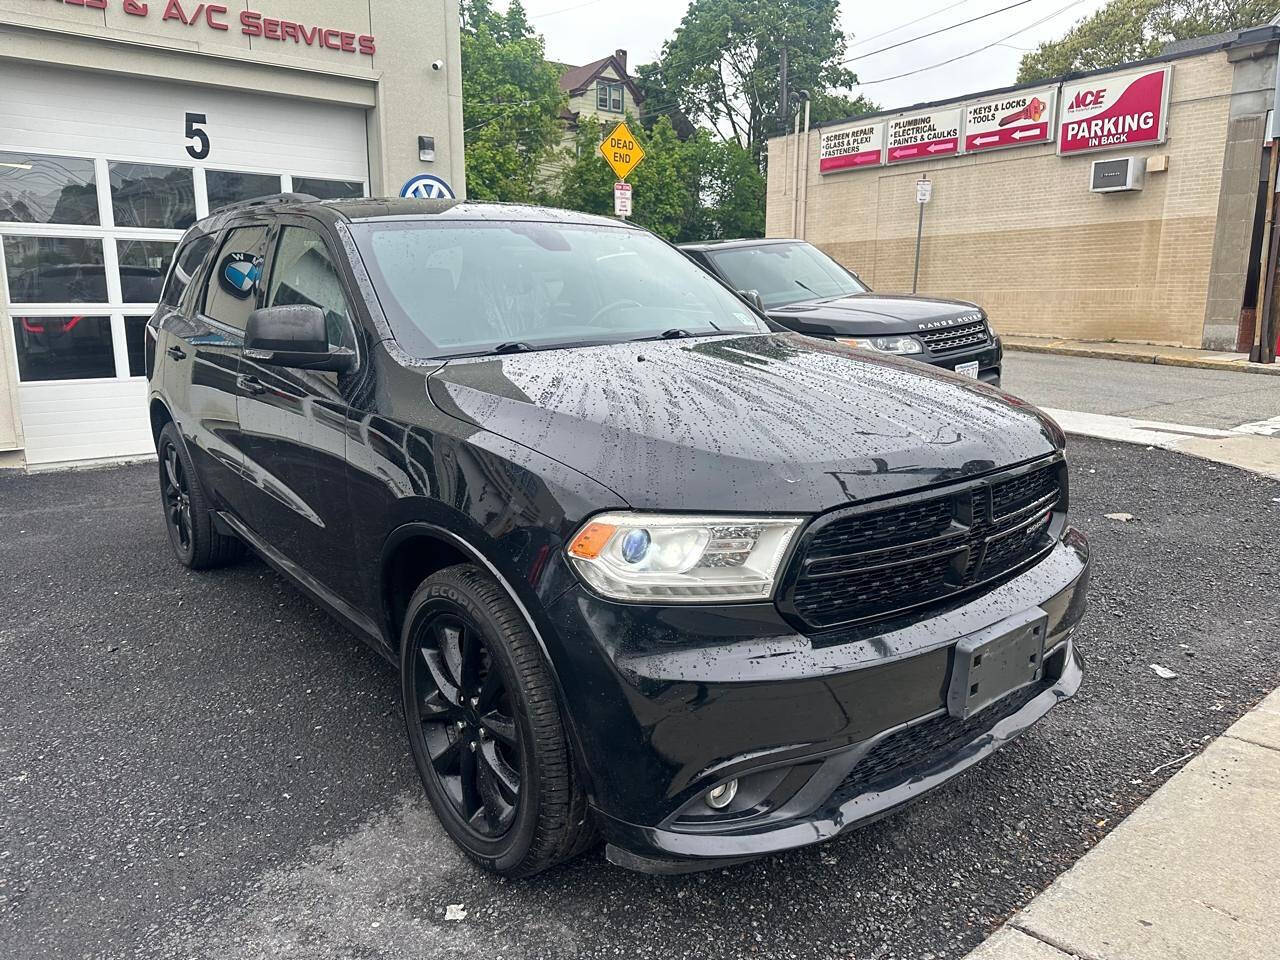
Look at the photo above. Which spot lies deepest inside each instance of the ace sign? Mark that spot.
(1106, 113)
(621, 151)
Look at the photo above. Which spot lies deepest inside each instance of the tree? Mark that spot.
(826, 107)
(723, 62)
(1126, 30)
(511, 102)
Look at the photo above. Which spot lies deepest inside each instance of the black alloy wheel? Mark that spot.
(196, 541)
(177, 498)
(485, 727)
(467, 722)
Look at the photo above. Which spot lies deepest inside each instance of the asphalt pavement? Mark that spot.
(204, 765)
(1208, 398)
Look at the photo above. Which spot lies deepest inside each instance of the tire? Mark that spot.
(483, 718)
(195, 541)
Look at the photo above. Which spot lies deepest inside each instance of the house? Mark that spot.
(602, 89)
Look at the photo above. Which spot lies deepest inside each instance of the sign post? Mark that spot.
(622, 199)
(924, 192)
(623, 153)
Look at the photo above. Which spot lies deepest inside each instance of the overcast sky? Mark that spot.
(579, 31)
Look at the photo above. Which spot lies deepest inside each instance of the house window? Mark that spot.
(609, 96)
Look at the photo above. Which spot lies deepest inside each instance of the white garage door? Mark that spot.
(99, 175)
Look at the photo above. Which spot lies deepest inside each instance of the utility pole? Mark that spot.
(784, 94)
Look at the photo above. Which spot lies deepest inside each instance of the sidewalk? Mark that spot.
(1193, 873)
(1141, 353)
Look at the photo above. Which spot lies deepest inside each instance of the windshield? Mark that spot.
(784, 273)
(454, 287)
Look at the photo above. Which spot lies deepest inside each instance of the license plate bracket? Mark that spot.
(994, 662)
(969, 369)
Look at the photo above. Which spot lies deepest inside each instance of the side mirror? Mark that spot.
(752, 297)
(293, 336)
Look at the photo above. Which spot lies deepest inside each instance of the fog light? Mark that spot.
(720, 797)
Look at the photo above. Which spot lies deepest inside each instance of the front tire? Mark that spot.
(195, 541)
(485, 727)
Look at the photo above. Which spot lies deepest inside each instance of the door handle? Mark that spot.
(177, 353)
(251, 385)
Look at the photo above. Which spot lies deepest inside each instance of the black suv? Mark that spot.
(651, 568)
(803, 289)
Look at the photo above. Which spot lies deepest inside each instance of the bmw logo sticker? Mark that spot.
(240, 273)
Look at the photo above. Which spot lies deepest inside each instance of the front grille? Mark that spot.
(962, 336)
(869, 563)
(902, 754)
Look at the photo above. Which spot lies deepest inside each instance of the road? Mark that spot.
(1145, 391)
(204, 765)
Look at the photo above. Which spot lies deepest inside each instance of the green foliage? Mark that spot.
(694, 189)
(1127, 30)
(511, 101)
(826, 107)
(723, 62)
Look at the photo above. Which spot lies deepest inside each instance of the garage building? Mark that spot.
(121, 122)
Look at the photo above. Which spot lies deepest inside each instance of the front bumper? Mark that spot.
(989, 358)
(667, 702)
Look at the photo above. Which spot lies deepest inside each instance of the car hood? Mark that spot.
(873, 314)
(774, 422)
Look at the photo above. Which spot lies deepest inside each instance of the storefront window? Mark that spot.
(40, 189)
(143, 265)
(226, 187)
(55, 270)
(64, 348)
(328, 189)
(149, 195)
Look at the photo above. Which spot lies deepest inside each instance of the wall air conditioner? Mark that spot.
(1112, 176)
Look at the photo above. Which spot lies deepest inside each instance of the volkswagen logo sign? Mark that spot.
(427, 186)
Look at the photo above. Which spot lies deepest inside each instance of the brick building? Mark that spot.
(1014, 225)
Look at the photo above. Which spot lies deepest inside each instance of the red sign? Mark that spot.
(924, 136)
(1105, 113)
(216, 16)
(850, 147)
(1010, 121)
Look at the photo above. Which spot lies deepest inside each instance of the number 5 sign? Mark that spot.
(622, 151)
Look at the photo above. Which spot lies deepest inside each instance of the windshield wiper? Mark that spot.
(802, 284)
(675, 333)
(512, 346)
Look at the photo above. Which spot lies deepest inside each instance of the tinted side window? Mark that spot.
(303, 273)
(186, 265)
(233, 284)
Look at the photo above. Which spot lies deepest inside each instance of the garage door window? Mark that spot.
(42, 189)
(152, 196)
(328, 189)
(55, 270)
(143, 265)
(64, 348)
(228, 187)
(85, 246)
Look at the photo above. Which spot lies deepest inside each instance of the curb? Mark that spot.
(1138, 356)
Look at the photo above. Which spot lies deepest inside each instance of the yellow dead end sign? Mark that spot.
(622, 151)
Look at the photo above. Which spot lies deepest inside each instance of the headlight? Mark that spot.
(898, 345)
(645, 556)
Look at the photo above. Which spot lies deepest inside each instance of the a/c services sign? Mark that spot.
(1106, 113)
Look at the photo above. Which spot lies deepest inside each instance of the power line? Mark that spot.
(552, 13)
(934, 33)
(988, 46)
(909, 23)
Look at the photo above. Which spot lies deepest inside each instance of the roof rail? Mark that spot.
(270, 200)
